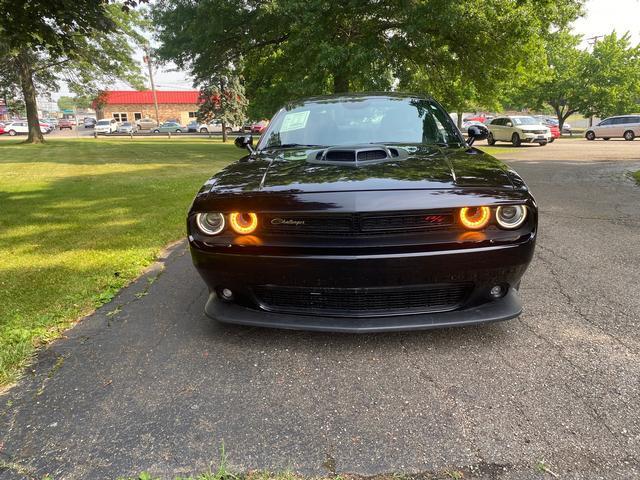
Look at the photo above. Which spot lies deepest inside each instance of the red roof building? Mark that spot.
(133, 105)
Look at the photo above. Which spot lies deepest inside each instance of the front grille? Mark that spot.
(355, 224)
(359, 302)
(538, 132)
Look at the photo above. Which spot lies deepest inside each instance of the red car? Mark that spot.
(65, 123)
(259, 127)
(555, 132)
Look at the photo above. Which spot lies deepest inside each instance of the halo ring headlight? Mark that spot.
(211, 223)
(243, 223)
(475, 218)
(511, 216)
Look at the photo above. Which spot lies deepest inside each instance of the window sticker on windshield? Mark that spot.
(294, 121)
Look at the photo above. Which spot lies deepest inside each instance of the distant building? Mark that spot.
(129, 106)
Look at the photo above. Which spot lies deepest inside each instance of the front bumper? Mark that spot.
(480, 268)
(504, 308)
(536, 138)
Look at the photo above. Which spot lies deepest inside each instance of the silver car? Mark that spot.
(621, 126)
(127, 127)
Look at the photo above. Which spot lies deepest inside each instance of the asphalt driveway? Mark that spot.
(149, 383)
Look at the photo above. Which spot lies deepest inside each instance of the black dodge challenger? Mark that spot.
(363, 213)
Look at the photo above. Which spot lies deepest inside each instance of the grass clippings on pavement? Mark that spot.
(636, 176)
(81, 218)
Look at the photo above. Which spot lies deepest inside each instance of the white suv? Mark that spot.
(623, 126)
(518, 129)
(15, 128)
(106, 126)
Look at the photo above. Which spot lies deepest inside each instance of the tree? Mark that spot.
(559, 82)
(287, 49)
(83, 42)
(223, 98)
(603, 82)
(612, 77)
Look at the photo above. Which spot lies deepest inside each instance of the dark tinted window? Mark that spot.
(608, 121)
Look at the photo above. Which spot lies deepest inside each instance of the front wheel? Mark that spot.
(515, 140)
(551, 140)
(204, 130)
(490, 139)
(606, 138)
(590, 136)
(156, 131)
(229, 130)
(629, 135)
(543, 144)
(12, 133)
(178, 131)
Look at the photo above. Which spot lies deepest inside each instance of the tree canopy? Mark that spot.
(85, 42)
(290, 48)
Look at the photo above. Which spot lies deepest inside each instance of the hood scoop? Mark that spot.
(357, 156)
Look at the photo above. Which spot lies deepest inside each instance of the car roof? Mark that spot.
(359, 96)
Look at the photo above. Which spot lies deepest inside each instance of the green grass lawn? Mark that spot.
(636, 175)
(79, 219)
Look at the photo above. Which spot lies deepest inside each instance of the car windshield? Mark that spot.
(104, 122)
(360, 120)
(126, 124)
(525, 121)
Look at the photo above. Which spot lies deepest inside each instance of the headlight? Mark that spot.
(243, 223)
(511, 216)
(210, 223)
(475, 218)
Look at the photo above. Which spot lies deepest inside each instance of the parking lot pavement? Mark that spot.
(148, 382)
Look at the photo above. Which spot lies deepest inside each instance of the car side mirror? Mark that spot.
(244, 141)
(477, 132)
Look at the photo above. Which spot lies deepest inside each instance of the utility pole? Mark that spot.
(147, 59)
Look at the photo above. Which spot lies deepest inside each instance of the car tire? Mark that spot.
(229, 130)
(590, 136)
(490, 139)
(606, 138)
(204, 130)
(629, 135)
(543, 144)
(515, 140)
(156, 131)
(551, 140)
(178, 131)
(12, 133)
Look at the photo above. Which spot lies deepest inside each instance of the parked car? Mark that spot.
(106, 125)
(51, 121)
(172, 127)
(621, 126)
(89, 122)
(566, 127)
(259, 127)
(146, 123)
(127, 127)
(216, 127)
(193, 126)
(16, 128)
(421, 236)
(65, 123)
(71, 120)
(518, 129)
(246, 128)
(555, 132)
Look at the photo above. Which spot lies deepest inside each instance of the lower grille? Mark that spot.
(360, 302)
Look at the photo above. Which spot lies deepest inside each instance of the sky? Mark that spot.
(601, 17)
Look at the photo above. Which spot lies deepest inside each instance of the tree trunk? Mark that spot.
(459, 120)
(29, 92)
(224, 132)
(340, 83)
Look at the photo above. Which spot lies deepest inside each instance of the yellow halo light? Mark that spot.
(243, 223)
(475, 218)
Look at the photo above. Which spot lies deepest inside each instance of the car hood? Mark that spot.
(428, 167)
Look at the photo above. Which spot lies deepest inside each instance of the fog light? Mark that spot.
(497, 291)
(226, 294)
